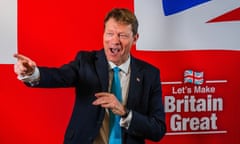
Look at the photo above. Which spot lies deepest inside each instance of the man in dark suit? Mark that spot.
(141, 110)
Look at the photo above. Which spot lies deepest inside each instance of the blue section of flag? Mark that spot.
(198, 82)
(188, 73)
(188, 80)
(174, 6)
(198, 74)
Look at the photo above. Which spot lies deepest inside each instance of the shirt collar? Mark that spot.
(124, 67)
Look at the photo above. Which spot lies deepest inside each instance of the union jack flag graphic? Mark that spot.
(188, 24)
(193, 77)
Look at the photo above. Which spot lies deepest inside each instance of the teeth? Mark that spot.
(115, 50)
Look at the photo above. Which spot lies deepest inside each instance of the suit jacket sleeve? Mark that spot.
(148, 119)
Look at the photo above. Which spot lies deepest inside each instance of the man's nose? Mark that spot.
(116, 39)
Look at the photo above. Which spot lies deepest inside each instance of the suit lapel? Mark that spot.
(102, 70)
(136, 79)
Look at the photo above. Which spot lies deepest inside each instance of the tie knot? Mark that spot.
(116, 69)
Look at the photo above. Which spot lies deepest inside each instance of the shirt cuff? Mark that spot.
(31, 79)
(125, 122)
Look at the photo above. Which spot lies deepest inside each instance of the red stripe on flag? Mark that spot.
(233, 15)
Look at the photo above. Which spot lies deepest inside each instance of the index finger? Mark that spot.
(21, 57)
(101, 94)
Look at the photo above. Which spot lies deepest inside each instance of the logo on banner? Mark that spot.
(188, 25)
(193, 77)
(193, 107)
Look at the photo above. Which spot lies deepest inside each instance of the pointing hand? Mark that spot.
(24, 66)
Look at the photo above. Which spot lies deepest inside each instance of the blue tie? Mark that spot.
(115, 133)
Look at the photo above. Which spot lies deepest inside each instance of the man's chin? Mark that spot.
(114, 60)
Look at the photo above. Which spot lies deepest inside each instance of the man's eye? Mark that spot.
(109, 34)
(124, 36)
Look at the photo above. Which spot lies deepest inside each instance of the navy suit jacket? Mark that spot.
(88, 73)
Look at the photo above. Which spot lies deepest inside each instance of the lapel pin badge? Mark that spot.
(138, 79)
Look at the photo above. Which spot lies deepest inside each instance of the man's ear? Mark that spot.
(135, 38)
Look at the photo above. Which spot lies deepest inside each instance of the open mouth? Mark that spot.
(115, 50)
